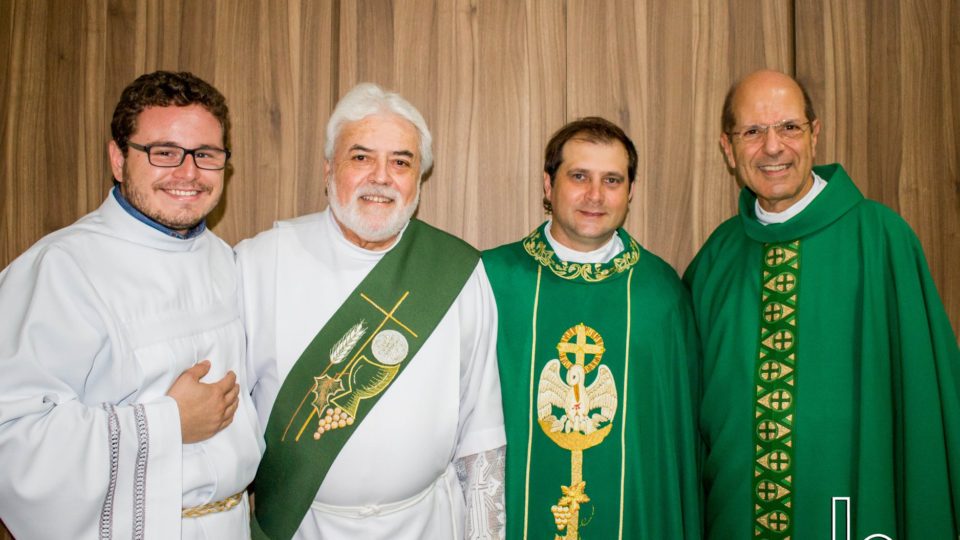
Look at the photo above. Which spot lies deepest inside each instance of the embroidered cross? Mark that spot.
(389, 316)
(773, 311)
(781, 400)
(775, 256)
(784, 282)
(768, 430)
(779, 461)
(580, 348)
(778, 521)
(782, 340)
(770, 371)
(767, 490)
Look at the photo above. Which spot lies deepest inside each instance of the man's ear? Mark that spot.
(326, 176)
(727, 145)
(547, 186)
(814, 134)
(117, 160)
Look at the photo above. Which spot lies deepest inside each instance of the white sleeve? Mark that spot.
(481, 409)
(75, 462)
(256, 262)
(482, 479)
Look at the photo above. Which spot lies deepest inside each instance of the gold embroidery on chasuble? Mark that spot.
(538, 248)
(339, 389)
(775, 381)
(576, 415)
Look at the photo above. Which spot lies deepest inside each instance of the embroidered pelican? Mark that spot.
(575, 398)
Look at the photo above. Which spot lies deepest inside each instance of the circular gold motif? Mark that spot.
(580, 348)
(770, 370)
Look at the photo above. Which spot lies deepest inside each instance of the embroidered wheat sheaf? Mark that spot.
(342, 348)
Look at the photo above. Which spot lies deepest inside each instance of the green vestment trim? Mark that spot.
(776, 379)
(598, 369)
(353, 359)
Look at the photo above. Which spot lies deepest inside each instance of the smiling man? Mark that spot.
(598, 359)
(371, 336)
(832, 376)
(108, 326)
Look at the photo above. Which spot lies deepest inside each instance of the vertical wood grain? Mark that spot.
(511, 57)
(607, 59)
(450, 192)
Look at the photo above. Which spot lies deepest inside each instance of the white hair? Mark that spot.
(366, 99)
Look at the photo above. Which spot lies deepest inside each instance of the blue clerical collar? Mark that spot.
(125, 204)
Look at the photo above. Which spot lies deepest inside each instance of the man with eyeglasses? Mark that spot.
(831, 395)
(121, 344)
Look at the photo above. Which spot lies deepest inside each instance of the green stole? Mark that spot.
(345, 369)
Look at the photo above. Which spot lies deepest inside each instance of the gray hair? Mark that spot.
(367, 99)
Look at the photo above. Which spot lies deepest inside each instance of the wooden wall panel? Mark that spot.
(494, 79)
(607, 58)
(255, 70)
(884, 78)
(519, 70)
(41, 122)
(449, 192)
(546, 110)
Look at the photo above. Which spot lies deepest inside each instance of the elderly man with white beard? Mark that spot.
(371, 342)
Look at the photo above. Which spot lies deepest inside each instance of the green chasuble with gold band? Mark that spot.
(831, 376)
(598, 369)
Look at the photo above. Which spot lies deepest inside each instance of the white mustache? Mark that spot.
(376, 191)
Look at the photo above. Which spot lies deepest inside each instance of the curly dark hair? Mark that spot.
(593, 129)
(165, 89)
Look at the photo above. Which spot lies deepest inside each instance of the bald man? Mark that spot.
(831, 372)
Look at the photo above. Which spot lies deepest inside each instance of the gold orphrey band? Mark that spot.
(776, 384)
(214, 507)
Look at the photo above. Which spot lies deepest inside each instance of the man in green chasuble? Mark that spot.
(831, 373)
(598, 359)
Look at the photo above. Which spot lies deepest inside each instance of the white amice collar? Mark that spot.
(766, 218)
(601, 255)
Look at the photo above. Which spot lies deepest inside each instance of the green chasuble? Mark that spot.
(831, 376)
(598, 369)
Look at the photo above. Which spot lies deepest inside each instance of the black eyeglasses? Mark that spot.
(171, 155)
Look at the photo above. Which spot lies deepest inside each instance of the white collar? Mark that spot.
(766, 218)
(603, 254)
